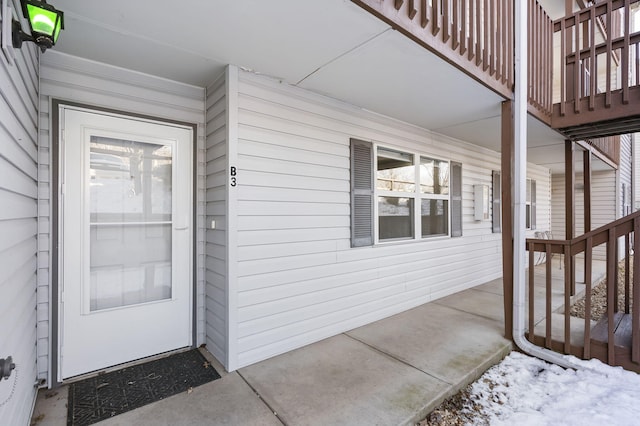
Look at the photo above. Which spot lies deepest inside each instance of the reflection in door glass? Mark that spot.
(131, 222)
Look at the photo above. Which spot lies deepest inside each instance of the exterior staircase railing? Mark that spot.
(599, 70)
(615, 339)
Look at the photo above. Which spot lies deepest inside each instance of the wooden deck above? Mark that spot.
(598, 73)
(583, 72)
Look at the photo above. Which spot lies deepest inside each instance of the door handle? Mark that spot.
(181, 228)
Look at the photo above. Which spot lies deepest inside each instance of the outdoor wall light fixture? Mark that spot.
(45, 23)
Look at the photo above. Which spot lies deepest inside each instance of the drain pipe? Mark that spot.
(519, 181)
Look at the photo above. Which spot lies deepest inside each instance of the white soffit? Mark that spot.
(187, 40)
(395, 76)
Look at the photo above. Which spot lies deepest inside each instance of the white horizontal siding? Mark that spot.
(624, 176)
(216, 210)
(603, 204)
(70, 78)
(18, 230)
(298, 278)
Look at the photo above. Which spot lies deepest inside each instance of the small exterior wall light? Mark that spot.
(45, 23)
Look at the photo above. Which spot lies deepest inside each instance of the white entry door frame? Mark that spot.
(125, 233)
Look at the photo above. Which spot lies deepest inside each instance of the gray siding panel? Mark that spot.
(70, 78)
(625, 205)
(18, 229)
(216, 210)
(602, 205)
(298, 278)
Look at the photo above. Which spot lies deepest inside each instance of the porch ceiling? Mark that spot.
(331, 47)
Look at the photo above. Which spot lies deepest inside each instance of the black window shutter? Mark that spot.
(456, 199)
(496, 223)
(361, 193)
(533, 204)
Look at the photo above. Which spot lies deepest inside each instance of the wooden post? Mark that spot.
(508, 140)
(570, 200)
(587, 200)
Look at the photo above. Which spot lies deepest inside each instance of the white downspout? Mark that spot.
(519, 196)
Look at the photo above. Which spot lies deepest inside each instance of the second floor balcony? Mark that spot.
(583, 67)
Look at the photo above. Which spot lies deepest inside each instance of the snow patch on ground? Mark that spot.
(522, 390)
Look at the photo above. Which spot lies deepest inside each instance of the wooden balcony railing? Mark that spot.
(540, 75)
(616, 338)
(599, 70)
(476, 36)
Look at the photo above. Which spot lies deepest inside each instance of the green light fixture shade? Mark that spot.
(45, 21)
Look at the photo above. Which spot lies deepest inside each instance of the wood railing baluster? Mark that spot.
(567, 298)
(424, 14)
(635, 316)
(627, 282)
(455, 30)
(611, 272)
(485, 36)
(411, 10)
(588, 272)
(435, 17)
(463, 27)
(446, 31)
(532, 297)
(492, 37)
(616, 292)
(563, 67)
(576, 65)
(478, 26)
(548, 291)
(592, 60)
(625, 53)
(472, 32)
(637, 64)
(510, 41)
(607, 98)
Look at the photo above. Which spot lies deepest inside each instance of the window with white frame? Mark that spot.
(414, 196)
(412, 193)
(530, 203)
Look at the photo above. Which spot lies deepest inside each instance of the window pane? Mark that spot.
(130, 205)
(434, 176)
(395, 218)
(396, 171)
(435, 217)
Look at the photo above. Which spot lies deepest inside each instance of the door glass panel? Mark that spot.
(130, 222)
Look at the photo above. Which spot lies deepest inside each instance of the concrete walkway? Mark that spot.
(391, 372)
(394, 371)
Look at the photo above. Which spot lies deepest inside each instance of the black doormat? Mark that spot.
(107, 395)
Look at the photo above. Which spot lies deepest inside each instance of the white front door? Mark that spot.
(126, 239)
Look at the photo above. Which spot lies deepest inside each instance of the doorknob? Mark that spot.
(181, 228)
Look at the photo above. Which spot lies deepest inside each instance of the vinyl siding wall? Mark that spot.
(216, 210)
(603, 201)
(19, 258)
(74, 79)
(298, 278)
(624, 204)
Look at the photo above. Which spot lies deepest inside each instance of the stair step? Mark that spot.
(622, 331)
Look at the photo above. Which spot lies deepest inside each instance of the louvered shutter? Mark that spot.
(496, 223)
(361, 193)
(533, 204)
(456, 199)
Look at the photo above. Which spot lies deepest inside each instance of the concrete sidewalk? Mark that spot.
(394, 371)
(391, 372)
